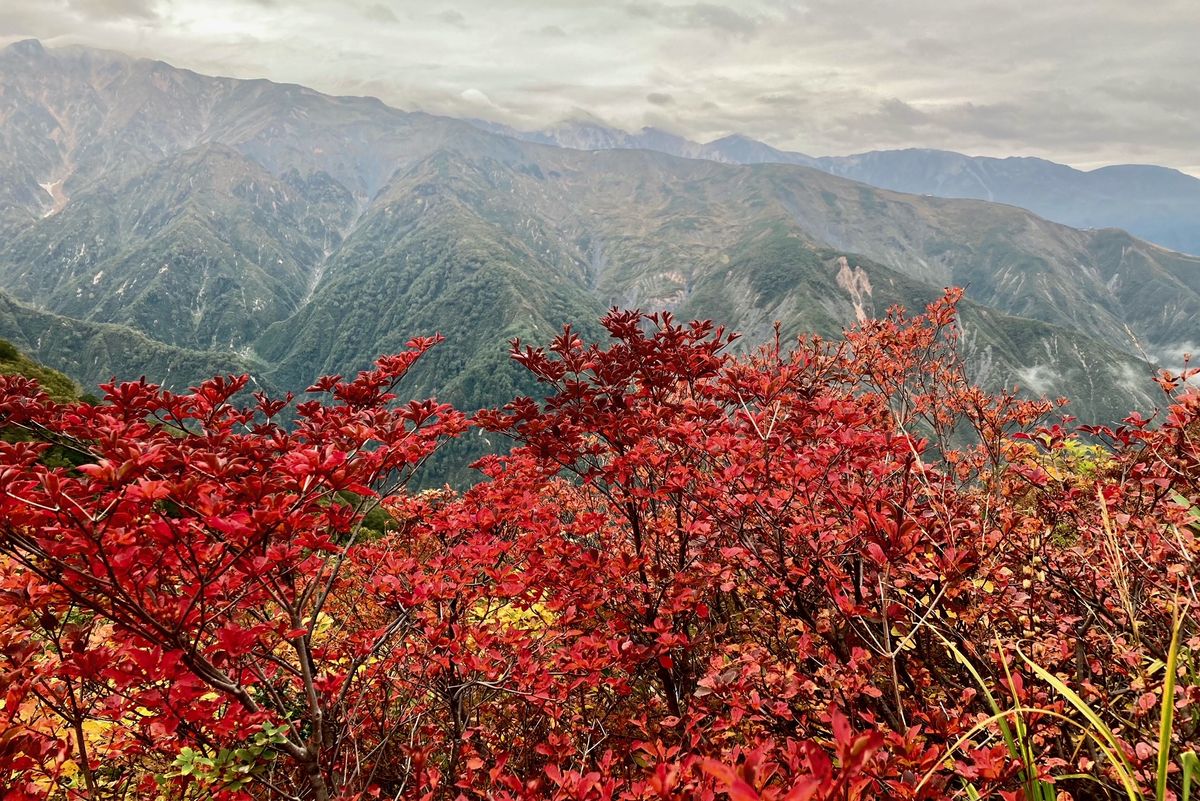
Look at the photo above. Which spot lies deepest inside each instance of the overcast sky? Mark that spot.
(1086, 82)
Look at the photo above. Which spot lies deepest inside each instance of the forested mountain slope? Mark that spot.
(1155, 203)
(160, 222)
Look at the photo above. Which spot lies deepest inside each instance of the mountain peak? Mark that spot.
(734, 138)
(28, 48)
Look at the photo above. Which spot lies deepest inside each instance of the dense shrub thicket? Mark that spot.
(694, 575)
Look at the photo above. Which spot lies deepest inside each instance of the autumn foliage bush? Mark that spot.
(814, 571)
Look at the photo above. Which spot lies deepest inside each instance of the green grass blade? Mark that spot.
(1191, 769)
(1102, 731)
(1130, 789)
(1166, 721)
(997, 713)
(1034, 788)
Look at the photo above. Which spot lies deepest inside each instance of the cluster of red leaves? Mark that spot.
(694, 574)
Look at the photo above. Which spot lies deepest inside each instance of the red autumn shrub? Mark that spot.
(795, 574)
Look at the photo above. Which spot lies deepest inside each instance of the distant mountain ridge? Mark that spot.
(1159, 204)
(158, 222)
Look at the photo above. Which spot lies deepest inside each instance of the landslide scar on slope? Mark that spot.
(857, 283)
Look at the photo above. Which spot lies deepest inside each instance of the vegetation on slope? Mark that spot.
(319, 232)
(52, 382)
(93, 353)
(695, 574)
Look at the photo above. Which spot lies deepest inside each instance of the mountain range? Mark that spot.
(1157, 204)
(158, 222)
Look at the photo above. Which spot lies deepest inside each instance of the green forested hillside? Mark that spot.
(232, 226)
(94, 353)
(1154, 203)
(14, 362)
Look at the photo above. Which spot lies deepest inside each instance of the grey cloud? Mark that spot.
(894, 111)
(453, 17)
(1099, 81)
(931, 48)
(380, 13)
(114, 9)
(1003, 121)
(781, 100)
(722, 19)
(1167, 93)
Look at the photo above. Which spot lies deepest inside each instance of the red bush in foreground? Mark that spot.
(769, 576)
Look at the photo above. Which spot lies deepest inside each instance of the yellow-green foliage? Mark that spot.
(57, 385)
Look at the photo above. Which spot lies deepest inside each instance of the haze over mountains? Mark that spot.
(1155, 203)
(156, 221)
